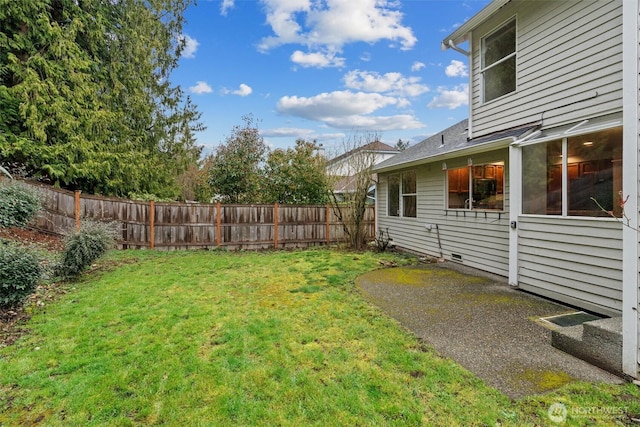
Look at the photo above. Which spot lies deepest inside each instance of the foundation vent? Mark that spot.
(456, 257)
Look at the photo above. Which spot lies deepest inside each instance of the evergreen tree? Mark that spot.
(402, 145)
(236, 167)
(86, 98)
(296, 175)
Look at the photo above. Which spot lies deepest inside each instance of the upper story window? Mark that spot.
(476, 187)
(499, 62)
(402, 194)
(574, 176)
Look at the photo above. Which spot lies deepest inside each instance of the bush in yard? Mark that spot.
(84, 246)
(18, 204)
(20, 271)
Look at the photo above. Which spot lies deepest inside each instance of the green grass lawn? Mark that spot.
(275, 338)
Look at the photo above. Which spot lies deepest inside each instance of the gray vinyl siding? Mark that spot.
(482, 239)
(567, 51)
(574, 260)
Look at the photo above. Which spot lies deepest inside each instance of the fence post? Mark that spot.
(327, 215)
(218, 227)
(152, 223)
(275, 226)
(77, 208)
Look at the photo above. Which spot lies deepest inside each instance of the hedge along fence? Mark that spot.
(171, 226)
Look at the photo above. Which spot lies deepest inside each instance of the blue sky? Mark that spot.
(329, 70)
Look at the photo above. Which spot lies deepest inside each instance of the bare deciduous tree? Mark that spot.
(353, 177)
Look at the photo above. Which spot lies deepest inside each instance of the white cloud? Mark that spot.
(243, 90)
(451, 99)
(456, 69)
(225, 6)
(391, 83)
(286, 132)
(316, 59)
(328, 25)
(190, 46)
(281, 15)
(200, 88)
(348, 110)
(329, 136)
(334, 104)
(417, 66)
(377, 123)
(403, 103)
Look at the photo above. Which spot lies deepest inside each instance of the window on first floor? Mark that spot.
(476, 187)
(575, 176)
(402, 194)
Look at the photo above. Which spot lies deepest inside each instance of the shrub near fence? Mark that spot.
(171, 226)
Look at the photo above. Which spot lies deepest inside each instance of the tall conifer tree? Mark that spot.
(86, 100)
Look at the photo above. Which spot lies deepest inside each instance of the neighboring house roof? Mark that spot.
(375, 146)
(452, 142)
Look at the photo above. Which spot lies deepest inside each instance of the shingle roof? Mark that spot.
(372, 146)
(449, 140)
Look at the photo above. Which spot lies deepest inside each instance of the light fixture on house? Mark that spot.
(444, 166)
(469, 161)
(587, 143)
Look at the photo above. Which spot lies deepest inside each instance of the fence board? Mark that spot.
(177, 226)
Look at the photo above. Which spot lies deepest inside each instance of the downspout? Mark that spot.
(451, 44)
(439, 244)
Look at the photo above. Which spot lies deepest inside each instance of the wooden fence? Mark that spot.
(171, 226)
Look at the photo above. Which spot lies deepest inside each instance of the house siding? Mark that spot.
(576, 261)
(481, 238)
(569, 64)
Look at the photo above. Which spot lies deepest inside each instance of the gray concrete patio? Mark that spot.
(482, 323)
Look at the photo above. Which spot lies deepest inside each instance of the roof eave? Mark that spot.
(461, 34)
(465, 151)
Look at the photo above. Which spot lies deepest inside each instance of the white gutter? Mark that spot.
(557, 132)
(461, 34)
(465, 151)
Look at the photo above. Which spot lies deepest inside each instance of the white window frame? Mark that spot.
(401, 194)
(564, 140)
(389, 177)
(471, 203)
(484, 68)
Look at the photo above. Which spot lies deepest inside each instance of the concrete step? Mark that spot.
(598, 342)
(609, 329)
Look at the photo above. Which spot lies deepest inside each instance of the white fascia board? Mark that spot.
(594, 124)
(466, 151)
(461, 34)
